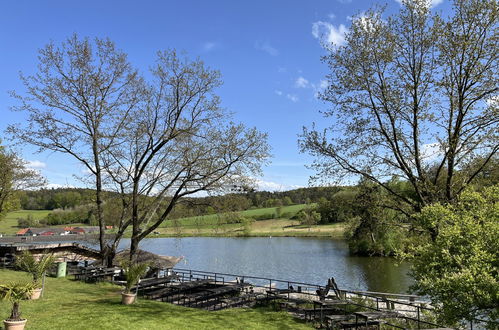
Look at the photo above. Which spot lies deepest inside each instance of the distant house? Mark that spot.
(42, 231)
(109, 227)
(22, 232)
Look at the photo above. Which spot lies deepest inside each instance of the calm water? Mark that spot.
(309, 260)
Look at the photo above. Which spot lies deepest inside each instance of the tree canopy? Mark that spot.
(459, 270)
(15, 176)
(413, 96)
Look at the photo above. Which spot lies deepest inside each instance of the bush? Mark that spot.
(27, 222)
(80, 214)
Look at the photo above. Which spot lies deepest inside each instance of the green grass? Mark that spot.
(210, 220)
(284, 226)
(68, 304)
(8, 225)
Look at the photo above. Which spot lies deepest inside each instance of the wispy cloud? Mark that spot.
(301, 82)
(36, 164)
(278, 92)
(329, 34)
(433, 3)
(266, 47)
(344, 1)
(209, 46)
(292, 97)
(331, 16)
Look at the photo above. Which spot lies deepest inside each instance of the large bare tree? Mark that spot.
(77, 102)
(413, 96)
(179, 142)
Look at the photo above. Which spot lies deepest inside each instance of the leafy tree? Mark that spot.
(309, 216)
(14, 176)
(339, 207)
(415, 96)
(459, 270)
(374, 228)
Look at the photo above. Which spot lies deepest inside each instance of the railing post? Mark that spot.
(419, 317)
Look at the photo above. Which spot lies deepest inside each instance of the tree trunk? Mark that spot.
(16, 313)
(98, 200)
(134, 247)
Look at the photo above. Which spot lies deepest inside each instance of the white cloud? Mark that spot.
(301, 83)
(329, 34)
(433, 3)
(292, 97)
(209, 45)
(331, 16)
(431, 151)
(278, 92)
(266, 47)
(36, 164)
(274, 186)
(344, 1)
(281, 69)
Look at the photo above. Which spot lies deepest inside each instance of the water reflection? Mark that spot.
(310, 260)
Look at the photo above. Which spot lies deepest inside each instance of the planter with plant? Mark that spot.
(36, 267)
(15, 292)
(133, 273)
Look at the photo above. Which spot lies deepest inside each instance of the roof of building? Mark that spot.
(22, 231)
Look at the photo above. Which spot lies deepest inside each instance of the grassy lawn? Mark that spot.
(8, 225)
(68, 304)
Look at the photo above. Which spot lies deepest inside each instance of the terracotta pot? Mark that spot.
(36, 294)
(14, 325)
(127, 298)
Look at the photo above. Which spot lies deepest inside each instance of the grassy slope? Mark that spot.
(74, 305)
(8, 225)
(206, 225)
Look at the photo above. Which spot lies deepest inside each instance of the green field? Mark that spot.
(212, 225)
(8, 225)
(208, 220)
(68, 304)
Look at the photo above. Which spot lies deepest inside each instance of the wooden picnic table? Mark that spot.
(374, 316)
(328, 303)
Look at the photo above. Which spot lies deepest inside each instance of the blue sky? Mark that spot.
(267, 51)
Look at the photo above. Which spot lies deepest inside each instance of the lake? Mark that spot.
(300, 259)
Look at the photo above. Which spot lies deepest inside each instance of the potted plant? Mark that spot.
(15, 292)
(36, 267)
(133, 273)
